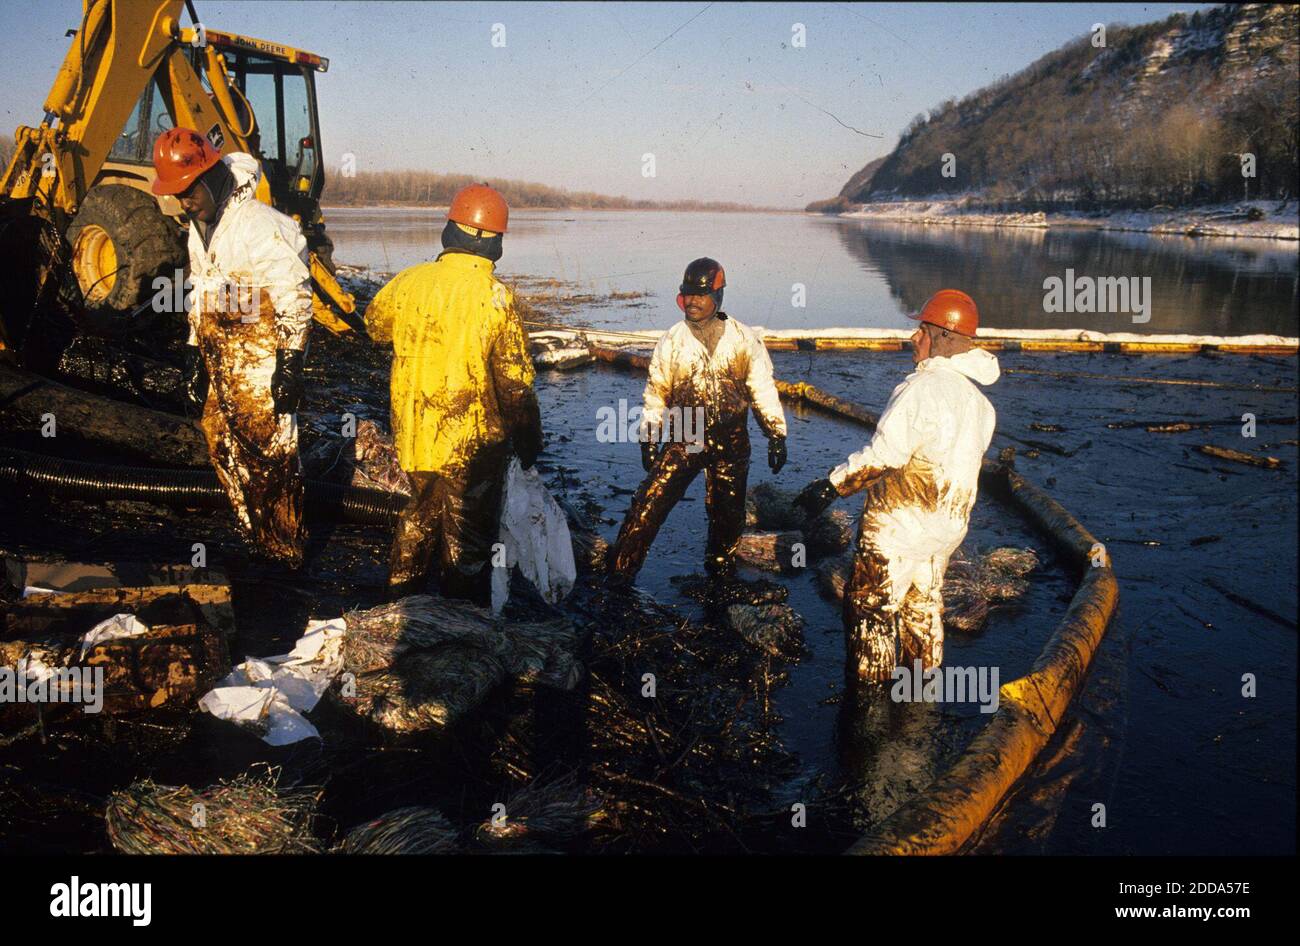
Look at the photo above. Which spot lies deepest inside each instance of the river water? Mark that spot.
(857, 273)
(1162, 734)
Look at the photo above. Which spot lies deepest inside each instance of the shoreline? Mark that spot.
(400, 205)
(1216, 220)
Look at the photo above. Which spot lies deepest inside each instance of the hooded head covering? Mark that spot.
(220, 183)
(456, 240)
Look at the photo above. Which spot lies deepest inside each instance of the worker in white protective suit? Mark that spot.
(249, 321)
(920, 473)
(706, 374)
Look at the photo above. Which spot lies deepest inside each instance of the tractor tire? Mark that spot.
(121, 241)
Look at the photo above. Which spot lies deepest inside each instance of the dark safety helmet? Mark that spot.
(703, 277)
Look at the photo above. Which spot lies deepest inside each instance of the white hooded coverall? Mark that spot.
(699, 403)
(921, 474)
(251, 296)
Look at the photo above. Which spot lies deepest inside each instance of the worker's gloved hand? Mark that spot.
(776, 453)
(287, 381)
(649, 453)
(816, 497)
(195, 380)
(527, 455)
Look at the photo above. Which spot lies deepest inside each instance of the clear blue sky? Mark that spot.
(730, 109)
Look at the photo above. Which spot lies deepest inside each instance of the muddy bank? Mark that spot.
(695, 770)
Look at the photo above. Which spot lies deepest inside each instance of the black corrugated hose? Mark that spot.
(78, 479)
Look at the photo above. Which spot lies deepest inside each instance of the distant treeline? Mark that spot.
(1162, 114)
(428, 188)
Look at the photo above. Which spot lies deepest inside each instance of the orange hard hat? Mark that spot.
(481, 207)
(180, 156)
(951, 309)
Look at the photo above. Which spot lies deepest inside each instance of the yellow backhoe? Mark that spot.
(85, 173)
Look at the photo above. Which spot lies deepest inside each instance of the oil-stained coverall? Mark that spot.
(727, 384)
(920, 473)
(462, 391)
(252, 297)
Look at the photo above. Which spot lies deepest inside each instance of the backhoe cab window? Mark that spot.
(259, 88)
(281, 96)
(148, 120)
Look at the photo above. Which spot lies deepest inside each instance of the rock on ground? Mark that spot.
(776, 629)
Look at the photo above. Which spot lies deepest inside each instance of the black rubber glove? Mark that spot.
(817, 497)
(649, 453)
(526, 434)
(286, 383)
(526, 449)
(776, 454)
(194, 381)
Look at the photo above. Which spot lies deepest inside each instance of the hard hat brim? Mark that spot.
(169, 189)
(179, 185)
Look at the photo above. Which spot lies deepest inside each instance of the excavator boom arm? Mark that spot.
(114, 54)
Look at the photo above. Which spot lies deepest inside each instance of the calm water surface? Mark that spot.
(859, 273)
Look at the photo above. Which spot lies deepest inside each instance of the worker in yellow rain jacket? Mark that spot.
(462, 397)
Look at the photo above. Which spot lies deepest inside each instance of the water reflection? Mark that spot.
(1220, 287)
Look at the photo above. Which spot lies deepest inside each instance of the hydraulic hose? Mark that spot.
(98, 482)
(354, 504)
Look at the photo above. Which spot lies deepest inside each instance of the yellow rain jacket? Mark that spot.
(462, 376)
